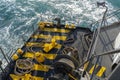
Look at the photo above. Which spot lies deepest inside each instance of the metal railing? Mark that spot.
(96, 26)
(112, 15)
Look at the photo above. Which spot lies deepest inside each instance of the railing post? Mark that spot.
(1, 66)
(4, 55)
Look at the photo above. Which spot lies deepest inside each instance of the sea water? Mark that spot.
(19, 18)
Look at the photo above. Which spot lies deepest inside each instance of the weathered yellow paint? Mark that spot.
(15, 57)
(43, 24)
(29, 44)
(50, 56)
(25, 77)
(70, 26)
(50, 46)
(39, 57)
(20, 51)
(47, 56)
(56, 30)
(60, 37)
(72, 77)
(42, 36)
(50, 37)
(29, 55)
(86, 65)
(41, 67)
(91, 70)
(101, 71)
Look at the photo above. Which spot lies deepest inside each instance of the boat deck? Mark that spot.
(79, 38)
(36, 44)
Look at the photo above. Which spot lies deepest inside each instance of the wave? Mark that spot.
(18, 17)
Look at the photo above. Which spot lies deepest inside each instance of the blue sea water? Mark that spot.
(115, 3)
(19, 18)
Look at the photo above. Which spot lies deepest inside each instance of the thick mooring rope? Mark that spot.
(23, 66)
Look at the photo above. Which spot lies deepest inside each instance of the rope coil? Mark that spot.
(23, 66)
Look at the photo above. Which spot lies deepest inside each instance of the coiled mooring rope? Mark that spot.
(23, 66)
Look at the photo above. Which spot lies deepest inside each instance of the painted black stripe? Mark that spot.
(59, 27)
(37, 49)
(90, 65)
(97, 69)
(52, 33)
(41, 39)
(42, 73)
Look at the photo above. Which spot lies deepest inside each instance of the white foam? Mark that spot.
(76, 11)
(22, 9)
(74, 8)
